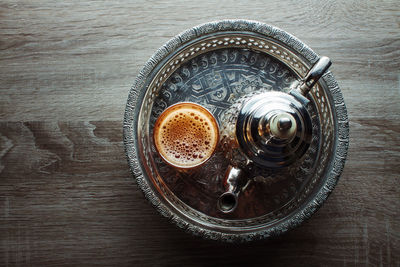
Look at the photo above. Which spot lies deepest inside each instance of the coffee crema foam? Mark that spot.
(186, 135)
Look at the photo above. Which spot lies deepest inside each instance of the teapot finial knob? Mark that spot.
(283, 126)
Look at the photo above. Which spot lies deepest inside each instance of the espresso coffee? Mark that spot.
(186, 135)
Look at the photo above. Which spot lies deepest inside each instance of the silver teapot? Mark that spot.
(269, 129)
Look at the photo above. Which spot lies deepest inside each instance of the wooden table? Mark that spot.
(66, 194)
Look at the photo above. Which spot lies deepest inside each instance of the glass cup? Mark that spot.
(186, 135)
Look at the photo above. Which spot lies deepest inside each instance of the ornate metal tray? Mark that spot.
(214, 64)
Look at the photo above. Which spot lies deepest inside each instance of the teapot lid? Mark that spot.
(274, 129)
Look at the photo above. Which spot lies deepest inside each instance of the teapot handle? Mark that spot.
(314, 74)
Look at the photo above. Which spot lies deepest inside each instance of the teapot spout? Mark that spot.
(234, 181)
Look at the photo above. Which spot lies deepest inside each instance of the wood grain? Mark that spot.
(66, 195)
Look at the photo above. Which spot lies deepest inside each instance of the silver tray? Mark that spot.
(213, 65)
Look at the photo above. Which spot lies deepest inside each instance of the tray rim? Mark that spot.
(130, 121)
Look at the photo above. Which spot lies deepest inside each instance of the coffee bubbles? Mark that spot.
(186, 135)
